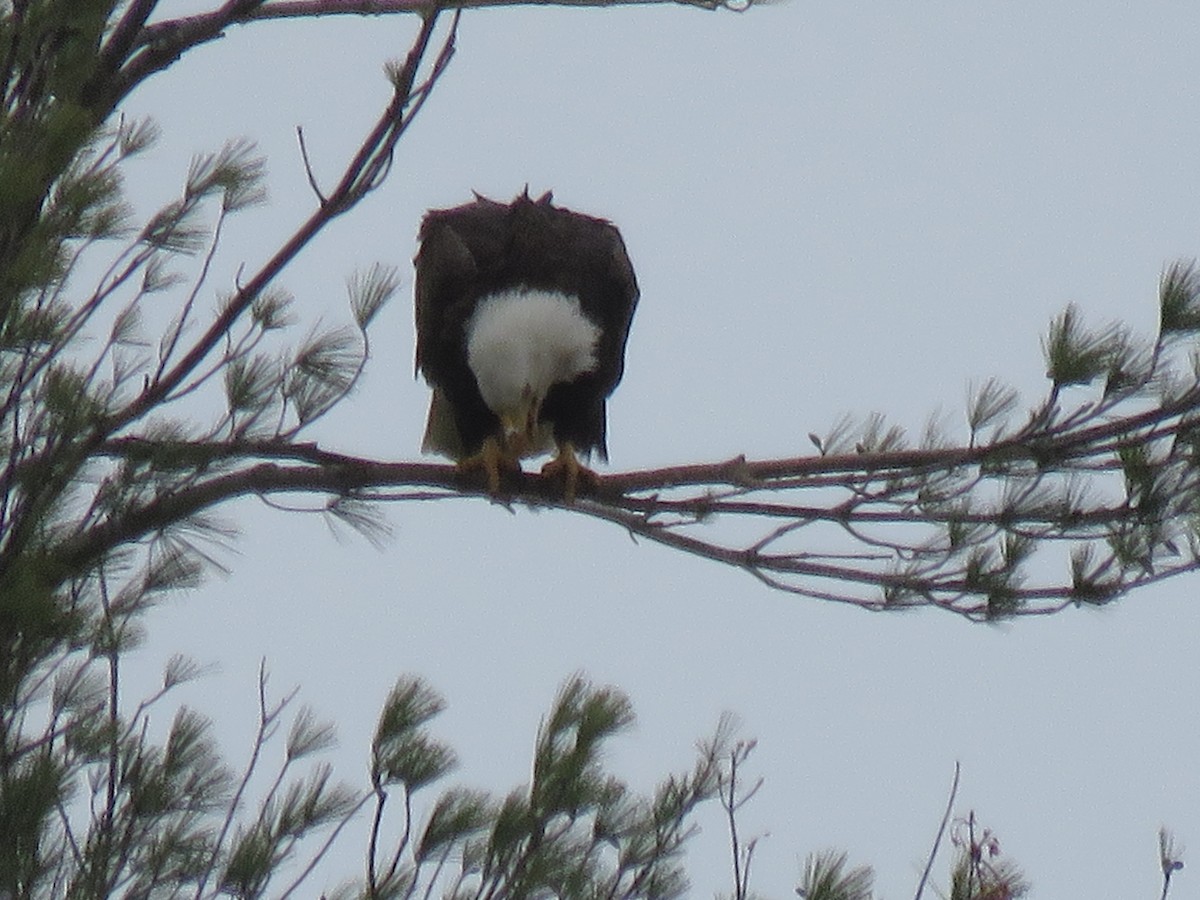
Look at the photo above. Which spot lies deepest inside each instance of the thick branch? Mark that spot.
(944, 526)
(899, 572)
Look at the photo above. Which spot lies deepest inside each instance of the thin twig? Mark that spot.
(323, 850)
(937, 841)
(308, 169)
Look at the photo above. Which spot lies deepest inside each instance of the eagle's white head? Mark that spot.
(521, 342)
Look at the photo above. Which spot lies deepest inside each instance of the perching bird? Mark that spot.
(523, 311)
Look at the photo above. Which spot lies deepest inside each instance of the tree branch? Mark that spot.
(160, 44)
(925, 527)
(352, 187)
(869, 523)
(362, 175)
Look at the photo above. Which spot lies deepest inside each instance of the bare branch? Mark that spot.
(936, 528)
(1108, 490)
(160, 44)
(937, 841)
(308, 169)
(352, 187)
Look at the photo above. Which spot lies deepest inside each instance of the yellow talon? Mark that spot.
(572, 472)
(492, 459)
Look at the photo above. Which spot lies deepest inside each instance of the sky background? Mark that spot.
(832, 207)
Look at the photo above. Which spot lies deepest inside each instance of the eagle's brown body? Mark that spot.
(528, 305)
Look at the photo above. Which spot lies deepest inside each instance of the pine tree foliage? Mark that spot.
(980, 871)
(121, 434)
(574, 832)
(1170, 858)
(93, 802)
(827, 878)
(1092, 494)
(169, 816)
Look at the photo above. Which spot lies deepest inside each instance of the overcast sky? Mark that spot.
(832, 207)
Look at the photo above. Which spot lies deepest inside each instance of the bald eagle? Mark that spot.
(523, 311)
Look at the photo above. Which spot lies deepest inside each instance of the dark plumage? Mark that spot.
(527, 304)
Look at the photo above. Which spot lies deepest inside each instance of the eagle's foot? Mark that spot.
(492, 459)
(573, 474)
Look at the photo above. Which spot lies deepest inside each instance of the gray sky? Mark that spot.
(832, 208)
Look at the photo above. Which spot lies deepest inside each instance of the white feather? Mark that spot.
(522, 341)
